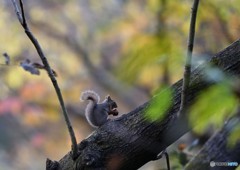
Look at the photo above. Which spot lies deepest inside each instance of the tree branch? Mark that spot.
(187, 72)
(216, 150)
(22, 20)
(131, 141)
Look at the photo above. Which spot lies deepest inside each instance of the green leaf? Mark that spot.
(159, 105)
(214, 106)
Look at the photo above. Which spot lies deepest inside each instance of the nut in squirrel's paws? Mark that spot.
(113, 109)
(113, 112)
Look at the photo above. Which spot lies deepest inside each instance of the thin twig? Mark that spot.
(167, 160)
(17, 11)
(160, 155)
(187, 72)
(23, 22)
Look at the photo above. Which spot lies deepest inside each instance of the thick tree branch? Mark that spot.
(22, 20)
(216, 150)
(131, 140)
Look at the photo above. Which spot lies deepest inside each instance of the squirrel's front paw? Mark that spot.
(113, 112)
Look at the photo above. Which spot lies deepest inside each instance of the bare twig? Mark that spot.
(22, 20)
(187, 72)
(164, 152)
(24, 24)
(168, 161)
(17, 11)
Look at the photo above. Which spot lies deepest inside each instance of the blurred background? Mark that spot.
(127, 49)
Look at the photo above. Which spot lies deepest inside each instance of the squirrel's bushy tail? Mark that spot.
(90, 95)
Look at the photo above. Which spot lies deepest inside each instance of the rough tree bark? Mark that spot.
(131, 141)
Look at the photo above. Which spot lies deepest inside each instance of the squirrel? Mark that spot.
(97, 113)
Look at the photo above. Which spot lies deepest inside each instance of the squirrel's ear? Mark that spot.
(108, 97)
